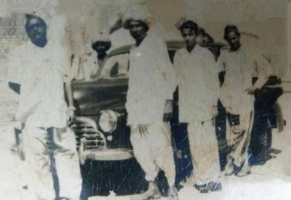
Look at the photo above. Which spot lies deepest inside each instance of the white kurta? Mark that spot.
(151, 81)
(14, 73)
(42, 75)
(198, 84)
(41, 72)
(88, 66)
(241, 66)
(198, 94)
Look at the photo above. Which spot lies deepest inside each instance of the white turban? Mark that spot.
(101, 36)
(136, 12)
(44, 8)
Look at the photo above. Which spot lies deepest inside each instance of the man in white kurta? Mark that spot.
(43, 109)
(198, 86)
(151, 86)
(240, 64)
(87, 64)
(146, 100)
(90, 63)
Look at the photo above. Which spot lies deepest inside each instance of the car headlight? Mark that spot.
(108, 120)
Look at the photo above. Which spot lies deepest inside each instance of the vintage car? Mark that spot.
(108, 163)
(103, 137)
(102, 134)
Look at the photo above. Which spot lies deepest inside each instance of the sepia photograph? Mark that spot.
(145, 99)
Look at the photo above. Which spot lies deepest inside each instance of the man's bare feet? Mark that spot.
(173, 193)
(246, 170)
(229, 169)
(150, 193)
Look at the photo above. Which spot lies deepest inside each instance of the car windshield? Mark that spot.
(115, 66)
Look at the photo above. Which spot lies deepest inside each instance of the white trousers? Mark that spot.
(204, 151)
(153, 150)
(239, 139)
(66, 163)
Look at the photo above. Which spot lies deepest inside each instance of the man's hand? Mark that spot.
(214, 111)
(70, 115)
(236, 128)
(168, 110)
(251, 90)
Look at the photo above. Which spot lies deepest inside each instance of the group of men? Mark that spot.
(152, 81)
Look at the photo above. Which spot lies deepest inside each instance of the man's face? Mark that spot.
(189, 36)
(137, 30)
(234, 40)
(36, 30)
(101, 48)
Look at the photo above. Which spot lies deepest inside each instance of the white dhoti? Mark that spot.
(239, 139)
(66, 163)
(204, 151)
(153, 150)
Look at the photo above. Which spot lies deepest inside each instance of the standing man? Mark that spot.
(240, 65)
(198, 94)
(101, 45)
(98, 56)
(98, 59)
(43, 109)
(149, 101)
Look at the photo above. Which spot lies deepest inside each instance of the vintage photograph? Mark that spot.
(145, 99)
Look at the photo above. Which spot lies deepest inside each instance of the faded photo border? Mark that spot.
(100, 108)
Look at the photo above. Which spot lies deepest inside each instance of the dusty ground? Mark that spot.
(267, 182)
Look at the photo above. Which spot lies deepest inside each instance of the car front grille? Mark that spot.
(87, 135)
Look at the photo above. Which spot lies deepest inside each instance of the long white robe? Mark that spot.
(151, 81)
(241, 66)
(198, 83)
(41, 74)
(198, 95)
